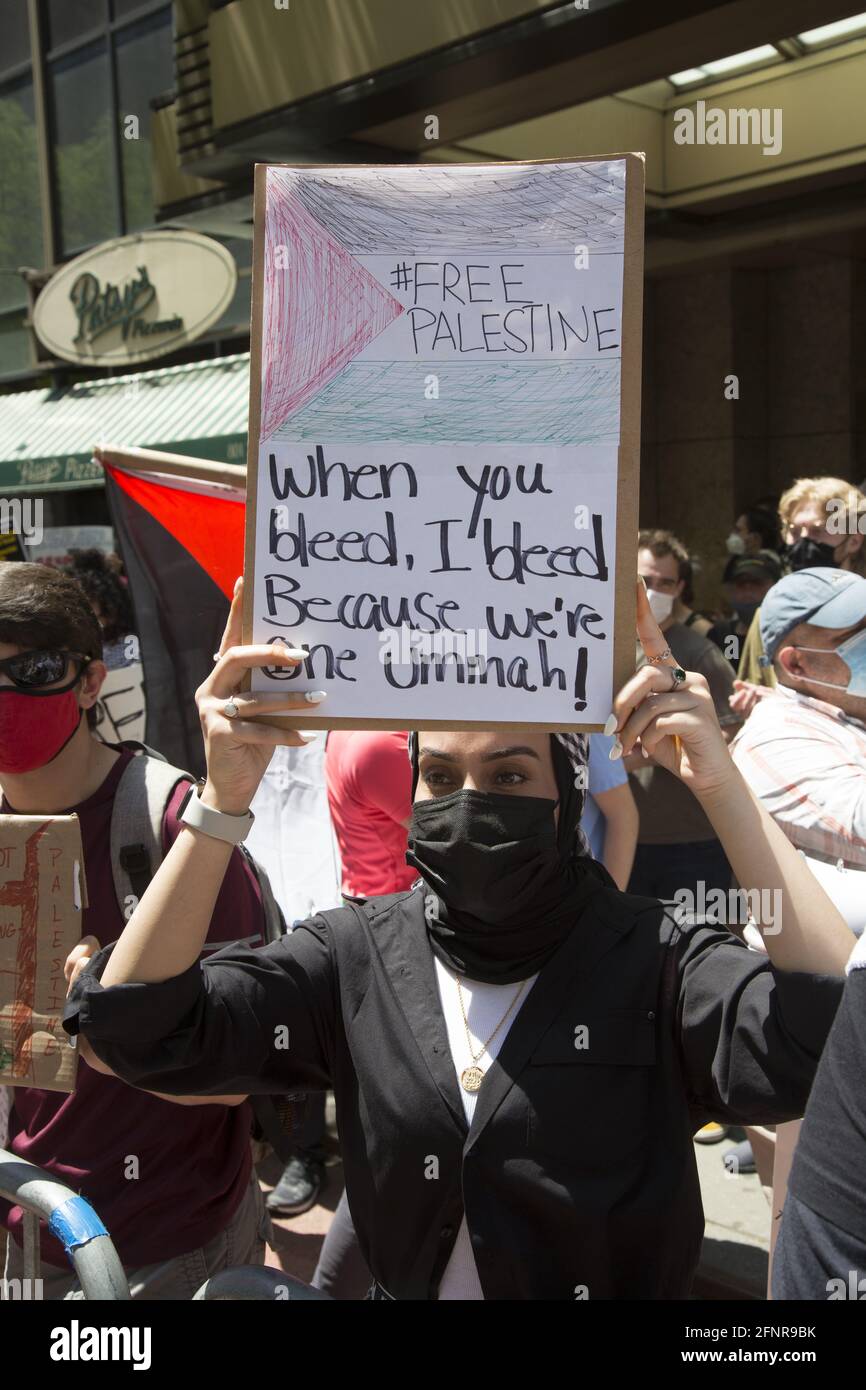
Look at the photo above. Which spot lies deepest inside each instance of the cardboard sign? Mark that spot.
(120, 709)
(444, 430)
(42, 895)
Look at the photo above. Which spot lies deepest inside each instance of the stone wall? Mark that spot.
(795, 337)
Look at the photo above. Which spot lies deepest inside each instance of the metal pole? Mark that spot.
(32, 1252)
(72, 1219)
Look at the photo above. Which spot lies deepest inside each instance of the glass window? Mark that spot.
(238, 312)
(84, 164)
(14, 345)
(122, 8)
(20, 220)
(73, 19)
(15, 47)
(144, 70)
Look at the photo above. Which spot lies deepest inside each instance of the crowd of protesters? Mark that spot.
(483, 878)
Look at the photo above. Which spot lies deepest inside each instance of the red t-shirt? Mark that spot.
(369, 780)
(193, 1161)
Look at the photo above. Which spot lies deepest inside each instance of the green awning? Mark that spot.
(47, 437)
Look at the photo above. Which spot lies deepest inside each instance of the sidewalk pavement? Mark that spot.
(737, 1214)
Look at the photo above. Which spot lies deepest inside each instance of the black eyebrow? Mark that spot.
(517, 751)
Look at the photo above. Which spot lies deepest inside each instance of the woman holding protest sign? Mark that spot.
(519, 1052)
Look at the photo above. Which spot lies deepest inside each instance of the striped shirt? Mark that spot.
(806, 762)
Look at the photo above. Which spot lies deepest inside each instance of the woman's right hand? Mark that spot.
(675, 724)
(238, 750)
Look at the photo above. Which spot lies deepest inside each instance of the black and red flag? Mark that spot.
(179, 525)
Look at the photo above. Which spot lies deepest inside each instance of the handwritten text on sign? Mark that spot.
(495, 587)
(437, 465)
(40, 922)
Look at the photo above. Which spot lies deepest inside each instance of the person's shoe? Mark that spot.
(711, 1133)
(740, 1159)
(298, 1189)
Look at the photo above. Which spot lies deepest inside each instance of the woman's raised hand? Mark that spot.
(677, 725)
(79, 958)
(238, 750)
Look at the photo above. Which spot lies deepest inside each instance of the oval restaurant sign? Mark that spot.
(135, 298)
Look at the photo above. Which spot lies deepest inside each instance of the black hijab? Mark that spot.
(505, 885)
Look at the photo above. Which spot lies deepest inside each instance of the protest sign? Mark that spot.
(120, 709)
(444, 433)
(42, 895)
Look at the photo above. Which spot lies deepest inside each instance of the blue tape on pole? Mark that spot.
(75, 1223)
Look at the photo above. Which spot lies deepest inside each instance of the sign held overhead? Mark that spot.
(443, 449)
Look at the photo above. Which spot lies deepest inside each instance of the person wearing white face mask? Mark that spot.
(754, 530)
(677, 849)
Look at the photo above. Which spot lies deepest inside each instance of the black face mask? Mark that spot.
(505, 888)
(807, 554)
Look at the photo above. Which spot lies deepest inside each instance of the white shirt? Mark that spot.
(806, 761)
(485, 1005)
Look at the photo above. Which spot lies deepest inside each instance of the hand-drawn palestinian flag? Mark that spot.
(182, 543)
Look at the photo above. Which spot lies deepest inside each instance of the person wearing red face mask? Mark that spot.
(195, 1201)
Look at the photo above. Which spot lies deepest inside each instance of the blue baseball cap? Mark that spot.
(824, 597)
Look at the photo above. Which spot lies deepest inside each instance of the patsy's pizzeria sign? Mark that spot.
(135, 298)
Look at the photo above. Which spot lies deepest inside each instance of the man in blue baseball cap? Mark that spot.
(803, 749)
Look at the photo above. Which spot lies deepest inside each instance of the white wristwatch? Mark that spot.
(232, 829)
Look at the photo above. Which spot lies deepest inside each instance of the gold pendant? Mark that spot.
(472, 1078)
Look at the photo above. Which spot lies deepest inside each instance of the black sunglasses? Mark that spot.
(29, 670)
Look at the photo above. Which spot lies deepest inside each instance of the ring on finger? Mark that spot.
(231, 710)
(678, 677)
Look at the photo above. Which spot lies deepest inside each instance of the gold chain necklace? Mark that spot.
(472, 1077)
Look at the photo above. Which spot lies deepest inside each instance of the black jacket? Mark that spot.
(578, 1175)
(821, 1252)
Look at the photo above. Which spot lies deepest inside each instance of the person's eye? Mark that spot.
(435, 777)
(510, 778)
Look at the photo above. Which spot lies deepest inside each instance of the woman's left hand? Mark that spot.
(677, 725)
(79, 958)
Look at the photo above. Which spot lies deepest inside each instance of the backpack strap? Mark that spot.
(275, 922)
(136, 746)
(146, 786)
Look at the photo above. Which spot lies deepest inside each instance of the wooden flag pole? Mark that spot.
(177, 465)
